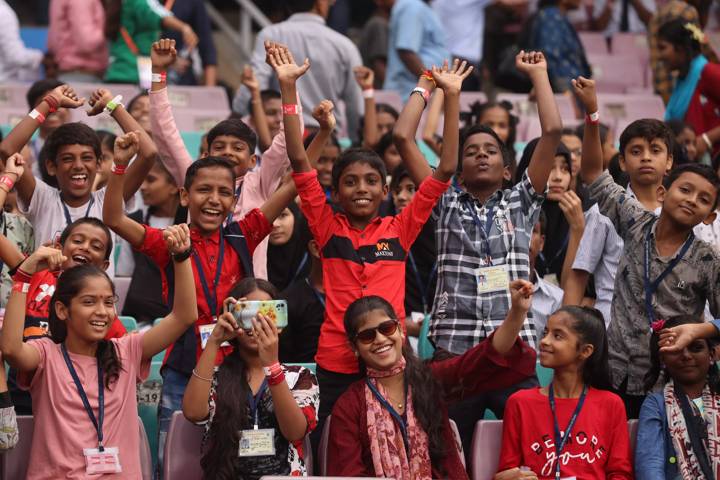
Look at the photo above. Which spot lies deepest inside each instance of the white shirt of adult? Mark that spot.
(464, 23)
(17, 62)
(635, 25)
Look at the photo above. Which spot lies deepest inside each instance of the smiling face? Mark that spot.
(559, 179)
(75, 168)
(560, 345)
(646, 162)
(91, 311)
(689, 200)
(689, 366)
(403, 193)
(384, 351)
(157, 188)
(673, 58)
(235, 150)
(498, 119)
(361, 190)
(324, 165)
(282, 228)
(140, 111)
(210, 198)
(86, 243)
(482, 162)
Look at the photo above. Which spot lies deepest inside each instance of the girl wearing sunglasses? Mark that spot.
(397, 414)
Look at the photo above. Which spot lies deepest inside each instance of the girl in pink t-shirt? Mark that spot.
(83, 386)
(573, 428)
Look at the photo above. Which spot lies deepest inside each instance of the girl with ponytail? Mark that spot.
(573, 428)
(83, 386)
(394, 422)
(250, 392)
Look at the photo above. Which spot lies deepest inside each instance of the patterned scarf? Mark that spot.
(387, 446)
(688, 463)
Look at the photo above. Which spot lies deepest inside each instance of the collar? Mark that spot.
(306, 17)
(196, 236)
(346, 220)
(465, 196)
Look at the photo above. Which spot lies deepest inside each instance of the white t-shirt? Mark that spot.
(47, 215)
(635, 25)
(126, 260)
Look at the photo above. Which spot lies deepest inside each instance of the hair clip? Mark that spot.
(657, 325)
(696, 32)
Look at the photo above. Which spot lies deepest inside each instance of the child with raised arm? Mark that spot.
(665, 270)
(483, 230)
(77, 372)
(231, 139)
(222, 255)
(362, 254)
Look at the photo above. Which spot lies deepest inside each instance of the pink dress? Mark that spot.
(62, 426)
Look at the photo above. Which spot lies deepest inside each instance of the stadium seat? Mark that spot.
(594, 42)
(323, 446)
(606, 72)
(199, 98)
(122, 285)
(146, 460)
(148, 401)
(458, 441)
(391, 98)
(129, 323)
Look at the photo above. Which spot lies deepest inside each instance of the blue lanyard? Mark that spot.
(318, 295)
(303, 262)
(229, 218)
(211, 298)
(560, 441)
(424, 287)
(254, 401)
(68, 219)
(393, 413)
(652, 286)
(558, 254)
(97, 422)
(484, 229)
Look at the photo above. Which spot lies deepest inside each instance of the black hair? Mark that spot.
(352, 156)
(332, 140)
(265, 95)
(234, 127)
(678, 126)
(528, 152)
(208, 162)
(570, 131)
(387, 108)
(604, 132)
(677, 33)
(74, 133)
(619, 177)
(656, 366)
(468, 132)
(68, 286)
(648, 129)
(95, 222)
(300, 6)
(589, 325)
(107, 139)
(135, 99)
(39, 89)
(232, 391)
(704, 171)
(425, 389)
(113, 13)
(716, 162)
(542, 221)
(477, 110)
(398, 175)
(385, 142)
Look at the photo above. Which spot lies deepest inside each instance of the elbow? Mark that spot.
(401, 137)
(194, 414)
(4, 151)
(553, 129)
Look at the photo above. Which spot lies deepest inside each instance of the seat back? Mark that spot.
(486, 443)
(129, 323)
(322, 448)
(146, 461)
(458, 441)
(15, 461)
(632, 431)
(182, 449)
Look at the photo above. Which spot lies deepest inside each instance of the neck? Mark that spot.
(252, 361)
(567, 382)
(166, 209)
(668, 237)
(694, 390)
(360, 223)
(203, 233)
(316, 277)
(80, 347)
(76, 202)
(647, 195)
(392, 382)
(482, 193)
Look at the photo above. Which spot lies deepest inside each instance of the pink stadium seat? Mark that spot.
(458, 441)
(468, 98)
(486, 443)
(198, 120)
(146, 463)
(594, 42)
(12, 115)
(13, 95)
(202, 98)
(615, 73)
(323, 446)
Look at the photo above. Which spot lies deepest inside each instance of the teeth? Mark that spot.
(98, 324)
(362, 201)
(383, 349)
(79, 177)
(210, 211)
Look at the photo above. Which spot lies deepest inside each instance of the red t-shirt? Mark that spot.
(599, 446)
(703, 113)
(37, 307)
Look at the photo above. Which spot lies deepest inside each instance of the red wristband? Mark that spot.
(290, 109)
(277, 379)
(118, 169)
(22, 276)
(35, 115)
(7, 181)
(52, 103)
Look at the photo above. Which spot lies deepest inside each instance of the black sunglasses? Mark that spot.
(387, 328)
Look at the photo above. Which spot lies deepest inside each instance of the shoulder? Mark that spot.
(607, 399)
(352, 401)
(525, 397)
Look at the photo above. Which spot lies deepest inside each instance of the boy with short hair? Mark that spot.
(362, 254)
(222, 255)
(665, 270)
(231, 139)
(547, 298)
(264, 107)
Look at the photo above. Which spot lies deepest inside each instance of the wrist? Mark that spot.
(517, 313)
(182, 256)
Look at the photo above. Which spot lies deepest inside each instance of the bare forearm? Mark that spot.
(278, 201)
(506, 334)
(412, 61)
(114, 213)
(147, 152)
(260, 121)
(171, 22)
(432, 119)
(591, 164)
(451, 127)
(293, 132)
(570, 253)
(291, 420)
(184, 301)
(197, 393)
(404, 139)
(575, 283)
(315, 148)
(371, 136)
(541, 162)
(22, 133)
(11, 339)
(210, 76)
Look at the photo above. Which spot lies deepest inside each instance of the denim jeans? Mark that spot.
(173, 389)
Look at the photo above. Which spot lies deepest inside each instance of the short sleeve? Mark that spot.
(26, 380)
(154, 247)
(42, 196)
(255, 227)
(130, 348)
(409, 35)
(530, 199)
(591, 248)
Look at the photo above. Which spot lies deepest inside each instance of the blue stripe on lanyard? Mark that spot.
(424, 288)
(68, 219)
(211, 297)
(563, 246)
(299, 269)
(393, 413)
(561, 441)
(652, 286)
(484, 230)
(229, 218)
(254, 402)
(318, 295)
(97, 422)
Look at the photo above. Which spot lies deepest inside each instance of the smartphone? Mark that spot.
(245, 310)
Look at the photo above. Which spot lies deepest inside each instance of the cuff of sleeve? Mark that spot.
(302, 179)
(5, 400)
(434, 186)
(530, 189)
(717, 325)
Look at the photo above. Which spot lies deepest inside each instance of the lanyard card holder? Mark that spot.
(98, 463)
(257, 442)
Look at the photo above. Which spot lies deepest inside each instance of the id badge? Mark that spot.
(205, 332)
(257, 443)
(144, 66)
(493, 279)
(97, 462)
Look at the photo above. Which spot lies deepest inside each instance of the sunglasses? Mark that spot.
(387, 328)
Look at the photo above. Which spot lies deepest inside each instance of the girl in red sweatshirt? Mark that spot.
(573, 428)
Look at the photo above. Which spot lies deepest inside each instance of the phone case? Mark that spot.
(244, 311)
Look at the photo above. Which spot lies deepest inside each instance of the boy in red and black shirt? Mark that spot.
(222, 255)
(362, 254)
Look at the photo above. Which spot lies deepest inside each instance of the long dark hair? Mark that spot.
(656, 366)
(68, 286)
(589, 325)
(426, 391)
(232, 391)
(113, 11)
(477, 110)
(679, 33)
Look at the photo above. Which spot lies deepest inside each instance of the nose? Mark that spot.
(214, 198)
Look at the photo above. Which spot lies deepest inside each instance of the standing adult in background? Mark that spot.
(17, 62)
(332, 56)
(373, 41)
(417, 42)
(464, 25)
(622, 16)
(193, 13)
(76, 39)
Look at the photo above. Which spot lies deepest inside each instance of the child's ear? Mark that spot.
(621, 162)
(386, 189)
(105, 265)
(586, 351)
(507, 176)
(661, 191)
(253, 161)
(50, 167)
(334, 196)
(61, 311)
(710, 218)
(184, 197)
(668, 163)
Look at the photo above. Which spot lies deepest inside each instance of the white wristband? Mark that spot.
(707, 141)
(594, 117)
(113, 104)
(369, 93)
